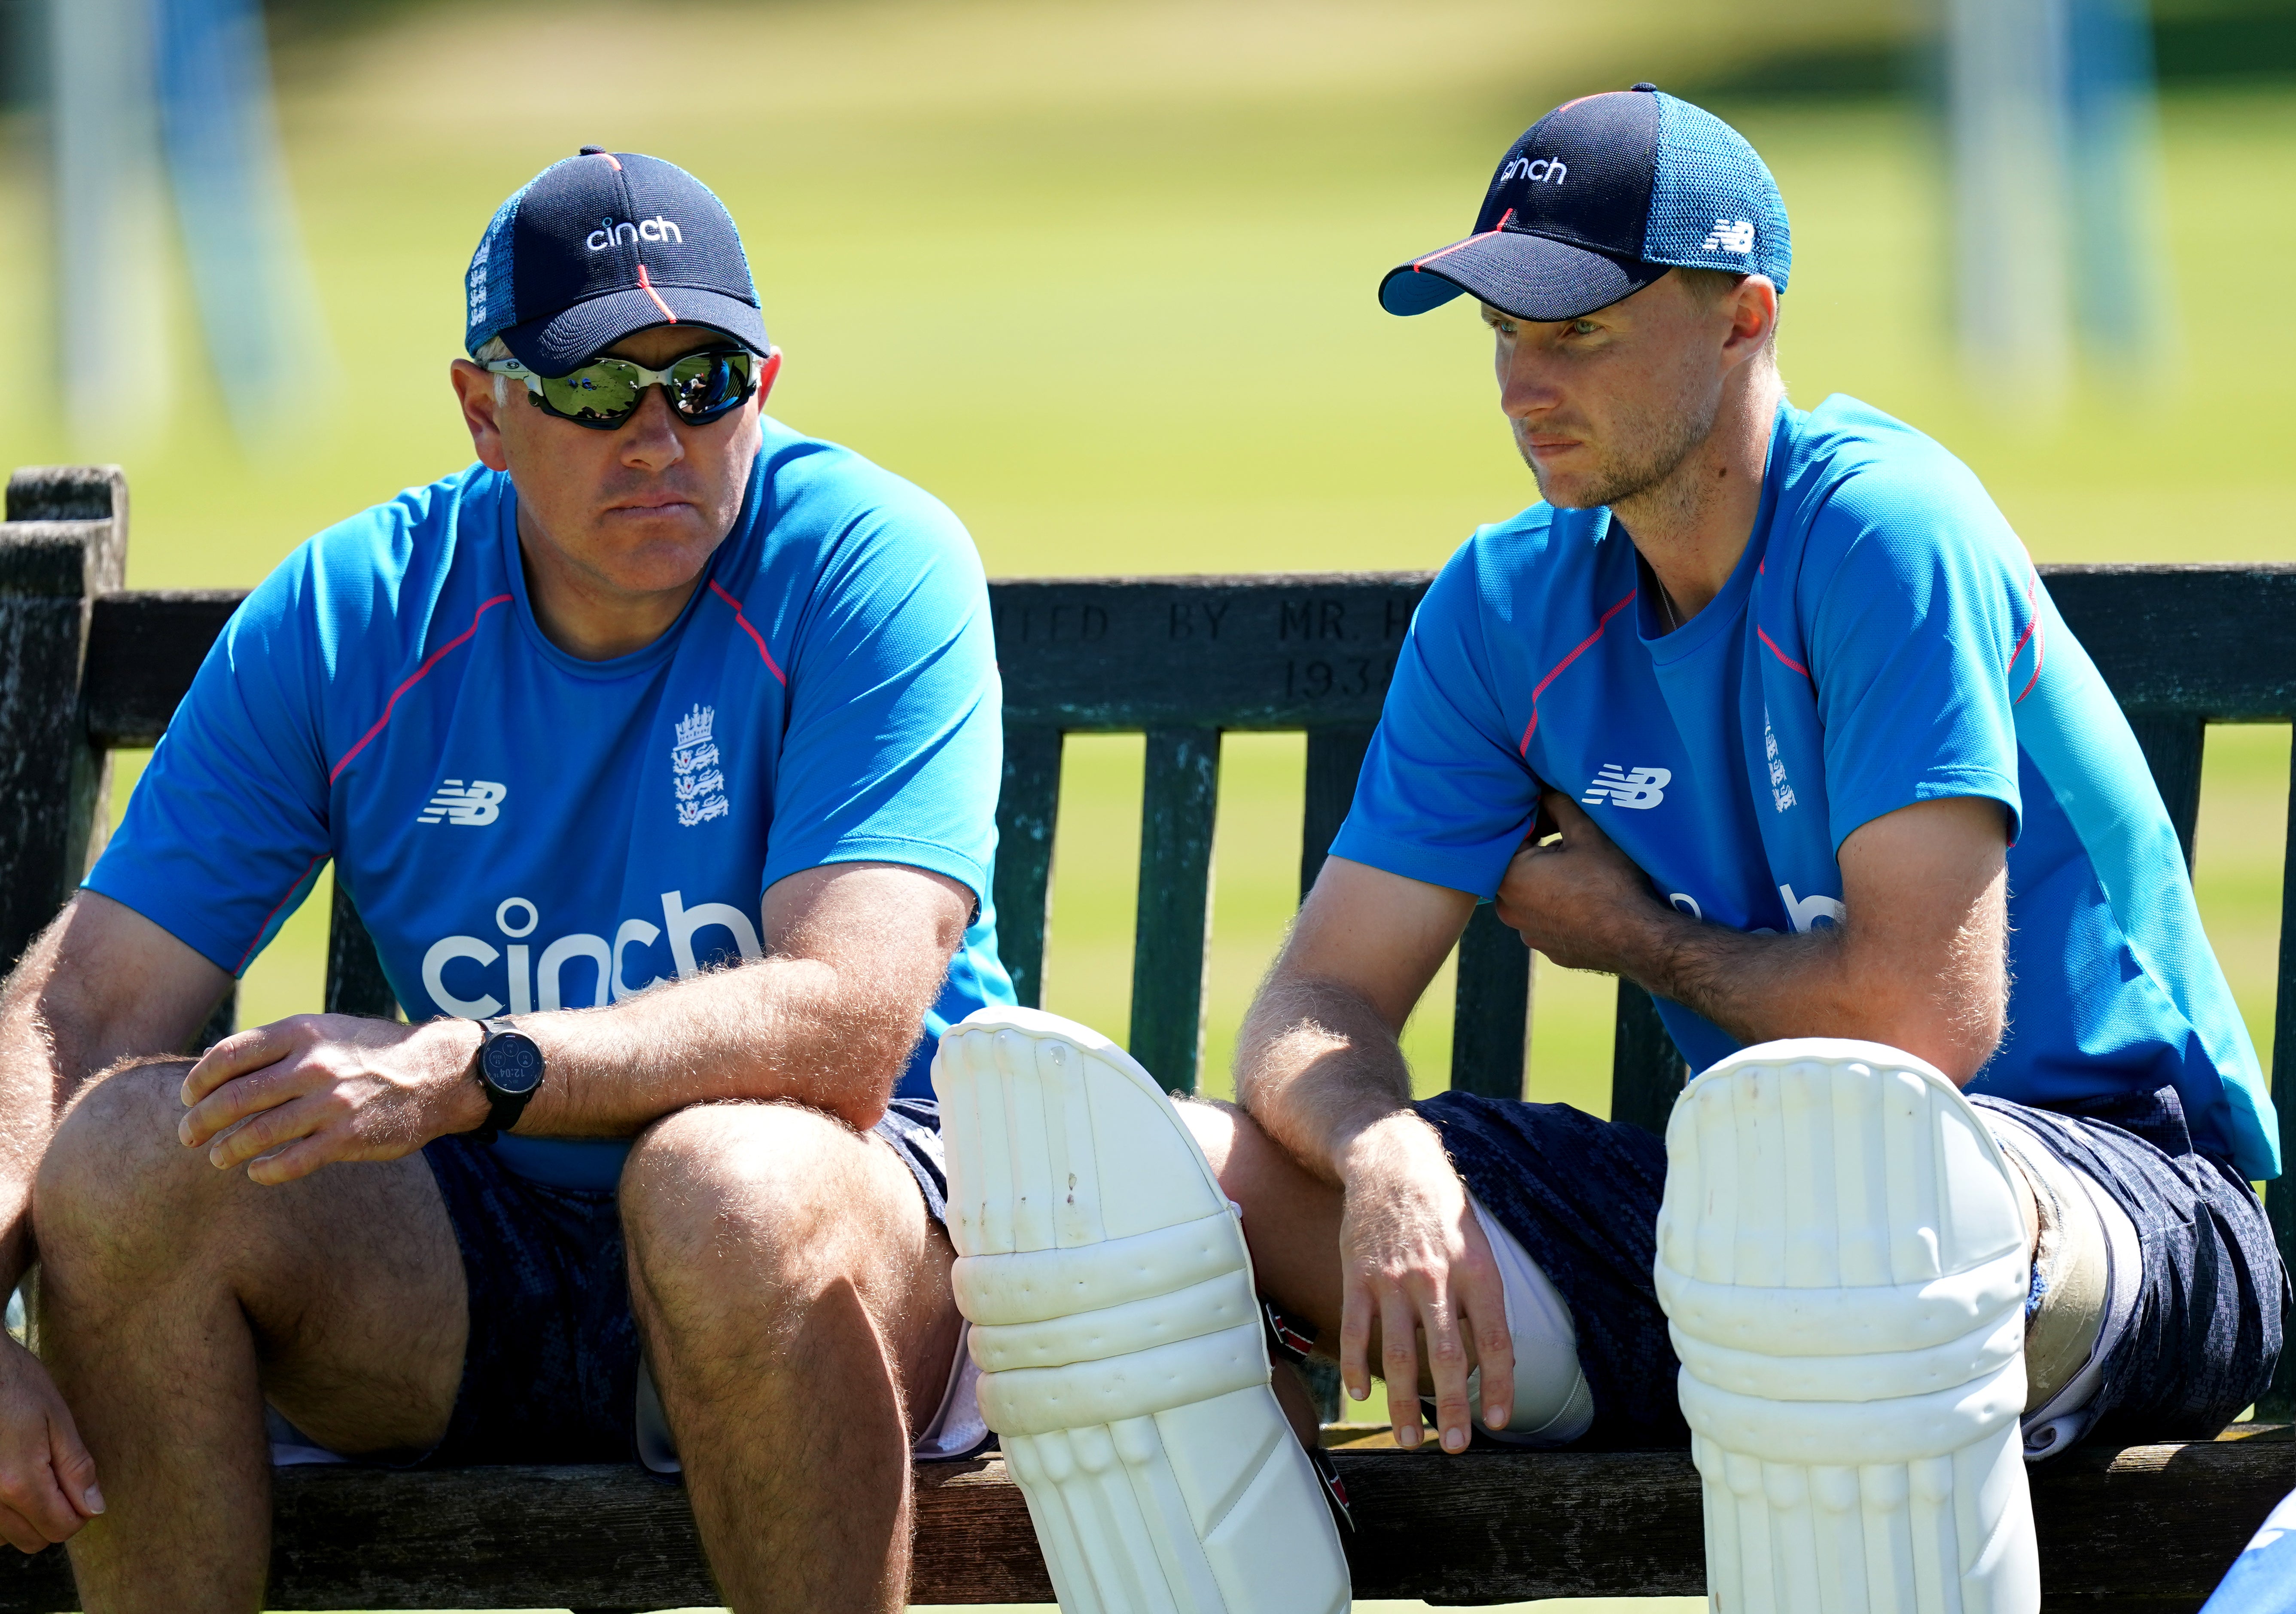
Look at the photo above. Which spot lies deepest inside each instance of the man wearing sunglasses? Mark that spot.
(658, 752)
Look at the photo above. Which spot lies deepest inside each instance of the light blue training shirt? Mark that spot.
(522, 829)
(1883, 640)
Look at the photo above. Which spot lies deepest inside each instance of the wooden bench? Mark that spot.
(85, 669)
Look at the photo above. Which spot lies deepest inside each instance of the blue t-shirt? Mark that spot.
(522, 829)
(1884, 640)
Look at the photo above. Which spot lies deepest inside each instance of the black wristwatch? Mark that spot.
(510, 1069)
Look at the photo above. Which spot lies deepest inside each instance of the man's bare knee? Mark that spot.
(1215, 1122)
(116, 1168)
(741, 1191)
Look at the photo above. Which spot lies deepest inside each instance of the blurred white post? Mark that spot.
(2009, 139)
(2123, 291)
(256, 301)
(110, 247)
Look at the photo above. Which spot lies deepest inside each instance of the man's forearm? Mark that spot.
(1759, 988)
(778, 1029)
(1316, 1066)
(1755, 987)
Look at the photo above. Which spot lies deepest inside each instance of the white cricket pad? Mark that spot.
(1844, 1265)
(1118, 1333)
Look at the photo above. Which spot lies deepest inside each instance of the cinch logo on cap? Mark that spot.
(1538, 170)
(656, 228)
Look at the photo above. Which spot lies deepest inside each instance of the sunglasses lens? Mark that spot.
(603, 390)
(704, 386)
(701, 386)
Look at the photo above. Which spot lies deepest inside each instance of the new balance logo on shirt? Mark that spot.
(470, 805)
(1730, 235)
(1644, 787)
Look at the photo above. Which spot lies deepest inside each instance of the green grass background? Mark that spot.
(1100, 274)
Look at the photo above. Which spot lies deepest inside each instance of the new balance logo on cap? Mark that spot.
(1644, 787)
(470, 805)
(1731, 236)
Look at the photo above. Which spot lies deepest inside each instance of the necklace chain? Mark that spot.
(1665, 604)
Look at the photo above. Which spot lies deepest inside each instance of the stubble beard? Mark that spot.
(1622, 472)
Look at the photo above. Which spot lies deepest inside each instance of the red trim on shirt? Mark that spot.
(420, 674)
(747, 628)
(1781, 654)
(263, 929)
(2041, 649)
(1532, 727)
(2033, 632)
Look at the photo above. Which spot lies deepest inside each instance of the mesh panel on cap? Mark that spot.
(1713, 204)
(492, 308)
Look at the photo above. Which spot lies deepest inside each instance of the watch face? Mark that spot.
(511, 1062)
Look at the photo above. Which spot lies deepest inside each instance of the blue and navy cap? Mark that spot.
(1598, 198)
(599, 245)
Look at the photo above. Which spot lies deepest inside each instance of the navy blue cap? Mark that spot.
(1598, 198)
(599, 245)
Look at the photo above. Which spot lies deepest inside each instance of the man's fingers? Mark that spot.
(1480, 1295)
(271, 1129)
(303, 1157)
(1400, 1365)
(31, 1493)
(246, 1117)
(234, 1056)
(21, 1533)
(75, 1469)
(1570, 820)
(1483, 1306)
(1355, 1342)
(1447, 1365)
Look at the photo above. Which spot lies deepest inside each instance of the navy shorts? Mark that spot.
(1582, 1195)
(550, 1372)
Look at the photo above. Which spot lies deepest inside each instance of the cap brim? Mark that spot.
(1530, 276)
(572, 336)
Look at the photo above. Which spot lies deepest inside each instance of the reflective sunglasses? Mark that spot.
(605, 393)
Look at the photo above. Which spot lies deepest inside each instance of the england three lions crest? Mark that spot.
(693, 771)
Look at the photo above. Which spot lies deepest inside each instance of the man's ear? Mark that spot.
(474, 388)
(1753, 318)
(769, 373)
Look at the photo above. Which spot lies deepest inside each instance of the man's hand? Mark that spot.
(288, 1098)
(1414, 1261)
(1578, 899)
(47, 1479)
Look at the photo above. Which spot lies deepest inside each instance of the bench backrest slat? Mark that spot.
(1490, 1015)
(2174, 743)
(356, 984)
(1028, 812)
(1646, 1069)
(1335, 756)
(1180, 803)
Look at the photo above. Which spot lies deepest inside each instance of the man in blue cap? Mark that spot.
(1769, 712)
(658, 752)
